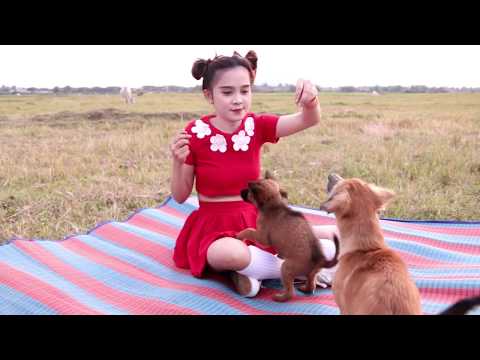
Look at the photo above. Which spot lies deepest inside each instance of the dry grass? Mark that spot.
(68, 163)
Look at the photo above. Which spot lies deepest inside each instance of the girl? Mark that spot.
(221, 151)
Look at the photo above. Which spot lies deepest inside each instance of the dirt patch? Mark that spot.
(110, 114)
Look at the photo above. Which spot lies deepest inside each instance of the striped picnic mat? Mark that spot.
(127, 268)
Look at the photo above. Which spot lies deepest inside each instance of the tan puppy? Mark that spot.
(289, 233)
(371, 278)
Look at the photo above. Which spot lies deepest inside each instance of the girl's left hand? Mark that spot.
(306, 94)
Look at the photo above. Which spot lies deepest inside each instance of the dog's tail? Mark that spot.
(462, 307)
(334, 261)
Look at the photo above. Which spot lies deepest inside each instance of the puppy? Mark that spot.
(289, 233)
(371, 279)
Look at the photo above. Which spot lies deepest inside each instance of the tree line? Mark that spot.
(68, 90)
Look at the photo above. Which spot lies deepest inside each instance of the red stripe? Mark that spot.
(42, 291)
(132, 303)
(462, 248)
(438, 230)
(415, 260)
(150, 224)
(130, 270)
(447, 277)
(448, 295)
(171, 211)
(320, 220)
(319, 298)
(164, 256)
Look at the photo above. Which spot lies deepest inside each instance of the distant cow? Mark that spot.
(127, 95)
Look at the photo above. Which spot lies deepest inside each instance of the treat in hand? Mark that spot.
(306, 93)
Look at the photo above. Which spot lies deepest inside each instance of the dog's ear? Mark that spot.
(284, 194)
(383, 196)
(269, 175)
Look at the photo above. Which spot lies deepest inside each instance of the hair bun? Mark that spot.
(199, 68)
(252, 59)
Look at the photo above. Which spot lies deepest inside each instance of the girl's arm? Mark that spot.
(181, 184)
(306, 96)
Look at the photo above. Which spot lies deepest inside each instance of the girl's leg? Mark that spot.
(248, 263)
(228, 254)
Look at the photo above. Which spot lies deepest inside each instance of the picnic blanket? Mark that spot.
(127, 268)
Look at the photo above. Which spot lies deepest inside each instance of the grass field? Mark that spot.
(68, 163)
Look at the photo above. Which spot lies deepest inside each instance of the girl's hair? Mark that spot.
(207, 69)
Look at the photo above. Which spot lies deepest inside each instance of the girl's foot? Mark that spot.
(244, 285)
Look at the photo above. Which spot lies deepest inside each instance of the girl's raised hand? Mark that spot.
(180, 147)
(306, 93)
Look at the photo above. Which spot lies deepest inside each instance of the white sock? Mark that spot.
(328, 247)
(325, 276)
(255, 284)
(263, 265)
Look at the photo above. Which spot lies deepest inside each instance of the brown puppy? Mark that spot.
(289, 233)
(371, 278)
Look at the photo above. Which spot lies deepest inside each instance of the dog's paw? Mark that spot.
(306, 289)
(245, 234)
(240, 235)
(282, 297)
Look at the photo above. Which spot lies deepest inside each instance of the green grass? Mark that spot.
(70, 162)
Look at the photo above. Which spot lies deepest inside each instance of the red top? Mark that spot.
(225, 163)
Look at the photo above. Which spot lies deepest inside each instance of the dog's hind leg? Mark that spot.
(309, 286)
(288, 276)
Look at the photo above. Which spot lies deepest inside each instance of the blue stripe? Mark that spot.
(17, 303)
(154, 267)
(440, 272)
(16, 258)
(447, 283)
(185, 208)
(439, 225)
(133, 286)
(164, 218)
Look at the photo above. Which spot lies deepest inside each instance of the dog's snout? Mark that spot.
(323, 207)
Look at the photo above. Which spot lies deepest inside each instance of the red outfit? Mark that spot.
(224, 164)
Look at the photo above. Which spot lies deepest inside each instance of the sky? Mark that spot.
(159, 65)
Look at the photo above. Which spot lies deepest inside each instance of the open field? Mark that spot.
(68, 163)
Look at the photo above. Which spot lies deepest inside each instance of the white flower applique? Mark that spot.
(249, 126)
(240, 141)
(218, 143)
(201, 129)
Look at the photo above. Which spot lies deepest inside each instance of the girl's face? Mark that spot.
(231, 93)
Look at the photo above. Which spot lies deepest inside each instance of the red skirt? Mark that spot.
(212, 221)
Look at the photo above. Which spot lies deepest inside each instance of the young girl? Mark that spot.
(221, 151)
